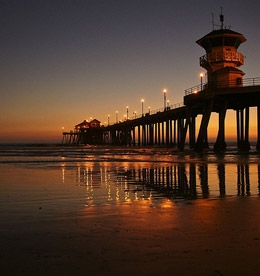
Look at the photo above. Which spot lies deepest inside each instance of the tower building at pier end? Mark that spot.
(222, 58)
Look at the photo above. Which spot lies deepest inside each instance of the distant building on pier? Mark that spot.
(84, 133)
(85, 125)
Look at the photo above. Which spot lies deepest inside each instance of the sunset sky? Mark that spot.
(64, 61)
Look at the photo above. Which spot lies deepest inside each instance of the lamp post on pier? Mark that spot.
(164, 98)
(127, 113)
(142, 102)
(116, 117)
(201, 76)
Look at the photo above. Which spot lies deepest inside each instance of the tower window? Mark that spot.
(239, 81)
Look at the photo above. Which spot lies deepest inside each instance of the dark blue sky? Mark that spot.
(66, 61)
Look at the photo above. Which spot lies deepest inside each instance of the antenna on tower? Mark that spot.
(212, 20)
(221, 16)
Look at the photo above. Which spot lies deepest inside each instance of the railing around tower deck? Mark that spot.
(222, 55)
(223, 84)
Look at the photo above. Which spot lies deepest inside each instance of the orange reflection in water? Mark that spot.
(121, 183)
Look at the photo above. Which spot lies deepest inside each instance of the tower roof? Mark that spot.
(222, 37)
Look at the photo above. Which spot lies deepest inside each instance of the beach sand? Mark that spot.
(202, 237)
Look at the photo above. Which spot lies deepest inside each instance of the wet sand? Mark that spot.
(202, 237)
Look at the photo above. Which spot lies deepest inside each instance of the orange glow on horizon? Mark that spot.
(46, 132)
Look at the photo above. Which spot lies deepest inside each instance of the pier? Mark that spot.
(176, 126)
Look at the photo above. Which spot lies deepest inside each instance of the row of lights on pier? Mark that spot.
(166, 104)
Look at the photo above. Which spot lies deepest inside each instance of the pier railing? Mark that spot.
(223, 84)
(158, 110)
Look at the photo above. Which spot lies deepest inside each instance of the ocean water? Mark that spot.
(49, 177)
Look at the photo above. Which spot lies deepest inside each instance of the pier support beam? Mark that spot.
(192, 132)
(163, 133)
(151, 126)
(139, 135)
(202, 141)
(183, 131)
(171, 143)
(243, 129)
(167, 133)
(258, 129)
(191, 124)
(144, 137)
(133, 135)
(159, 134)
(220, 144)
(180, 133)
(155, 133)
(174, 133)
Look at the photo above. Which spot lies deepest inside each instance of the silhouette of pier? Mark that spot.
(225, 89)
(177, 127)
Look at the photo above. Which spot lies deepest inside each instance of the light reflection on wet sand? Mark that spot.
(103, 217)
(78, 185)
(135, 181)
